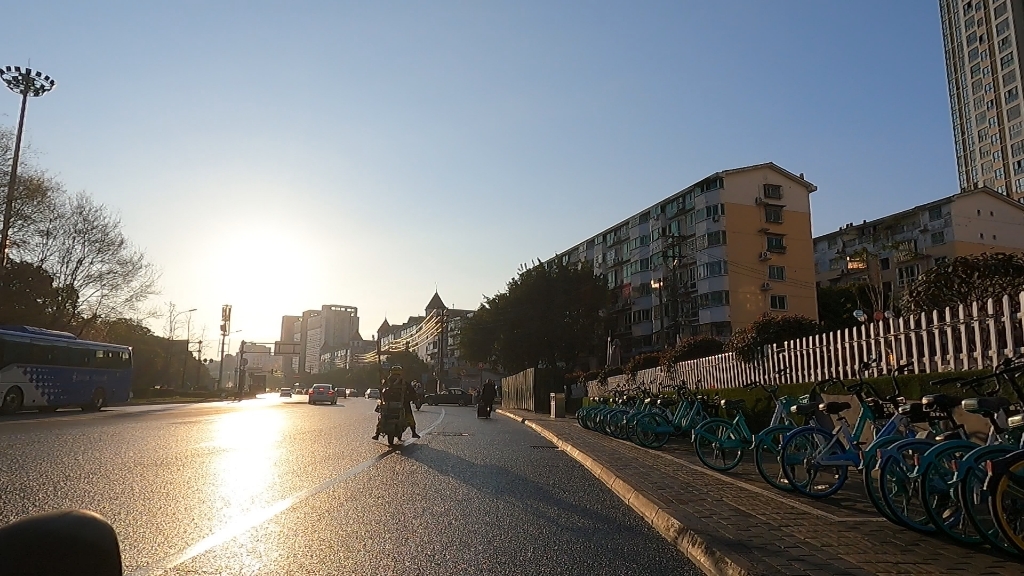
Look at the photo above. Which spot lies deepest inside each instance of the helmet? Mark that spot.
(395, 370)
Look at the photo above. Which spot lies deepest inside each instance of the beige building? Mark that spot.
(983, 55)
(891, 252)
(709, 259)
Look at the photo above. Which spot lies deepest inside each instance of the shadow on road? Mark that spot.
(499, 482)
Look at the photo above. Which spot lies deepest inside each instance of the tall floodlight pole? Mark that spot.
(26, 82)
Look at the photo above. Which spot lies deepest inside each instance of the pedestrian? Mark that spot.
(488, 394)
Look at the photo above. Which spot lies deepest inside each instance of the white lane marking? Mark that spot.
(258, 517)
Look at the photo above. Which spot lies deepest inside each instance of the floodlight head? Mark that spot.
(26, 82)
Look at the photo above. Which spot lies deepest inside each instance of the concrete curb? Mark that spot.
(706, 557)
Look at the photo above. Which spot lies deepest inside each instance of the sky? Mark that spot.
(278, 156)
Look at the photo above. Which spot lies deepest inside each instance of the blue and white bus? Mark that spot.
(45, 370)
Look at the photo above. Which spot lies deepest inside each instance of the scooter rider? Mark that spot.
(396, 389)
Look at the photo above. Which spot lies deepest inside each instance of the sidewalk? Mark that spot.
(735, 524)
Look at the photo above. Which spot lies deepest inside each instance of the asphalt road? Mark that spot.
(274, 486)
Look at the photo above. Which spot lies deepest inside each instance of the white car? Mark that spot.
(373, 393)
(322, 393)
(286, 393)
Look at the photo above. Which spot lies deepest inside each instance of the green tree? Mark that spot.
(29, 296)
(749, 342)
(836, 305)
(691, 348)
(548, 316)
(966, 279)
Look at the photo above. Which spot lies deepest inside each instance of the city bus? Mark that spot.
(46, 370)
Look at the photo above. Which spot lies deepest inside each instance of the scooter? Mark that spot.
(392, 421)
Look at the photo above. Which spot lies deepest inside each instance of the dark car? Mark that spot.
(450, 396)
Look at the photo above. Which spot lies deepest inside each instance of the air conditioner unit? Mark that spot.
(716, 218)
(766, 286)
(758, 200)
(765, 256)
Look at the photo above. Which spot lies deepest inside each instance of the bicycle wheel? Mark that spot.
(581, 417)
(870, 476)
(802, 452)
(768, 456)
(1007, 504)
(718, 445)
(940, 496)
(616, 425)
(900, 484)
(647, 430)
(974, 498)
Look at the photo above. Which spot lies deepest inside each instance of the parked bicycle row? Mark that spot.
(919, 466)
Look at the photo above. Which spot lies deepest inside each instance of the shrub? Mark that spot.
(691, 349)
(643, 362)
(748, 343)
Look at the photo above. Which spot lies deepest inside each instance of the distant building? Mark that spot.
(983, 50)
(332, 326)
(708, 259)
(892, 251)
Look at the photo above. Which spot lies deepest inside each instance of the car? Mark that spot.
(341, 393)
(286, 393)
(373, 393)
(449, 396)
(322, 393)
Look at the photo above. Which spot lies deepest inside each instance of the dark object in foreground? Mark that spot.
(76, 542)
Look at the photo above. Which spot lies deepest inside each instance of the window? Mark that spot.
(1017, 149)
(1004, 44)
(776, 273)
(773, 214)
(999, 174)
(716, 238)
(1005, 61)
(779, 302)
(972, 55)
(883, 263)
(975, 72)
(773, 191)
(713, 299)
(776, 243)
(1013, 113)
(972, 38)
(977, 86)
(940, 260)
(935, 213)
(833, 243)
(939, 237)
(1003, 27)
(1000, 10)
(835, 264)
(1011, 95)
(906, 275)
(1010, 77)
(714, 268)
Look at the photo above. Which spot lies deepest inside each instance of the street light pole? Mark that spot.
(26, 83)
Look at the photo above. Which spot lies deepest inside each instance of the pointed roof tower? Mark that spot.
(435, 303)
(384, 328)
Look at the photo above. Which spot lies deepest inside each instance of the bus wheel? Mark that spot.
(13, 400)
(99, 398)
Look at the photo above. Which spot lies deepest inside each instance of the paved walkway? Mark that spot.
(734, 523)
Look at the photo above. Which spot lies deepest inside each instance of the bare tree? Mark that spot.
(82, 244)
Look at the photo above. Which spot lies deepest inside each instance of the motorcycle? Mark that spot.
(392, 421)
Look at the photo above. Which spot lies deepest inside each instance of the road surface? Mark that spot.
(274, 486)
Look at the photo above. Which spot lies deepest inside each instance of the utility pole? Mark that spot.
(225, 329)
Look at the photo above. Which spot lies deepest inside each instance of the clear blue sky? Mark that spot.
(282, 155)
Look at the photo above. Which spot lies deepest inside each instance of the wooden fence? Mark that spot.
(971, 337)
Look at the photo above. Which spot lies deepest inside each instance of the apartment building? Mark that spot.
(332, 326)
(983, 54)
(708, 259)
(891, 252)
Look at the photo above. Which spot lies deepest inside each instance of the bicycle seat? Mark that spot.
(951, 435)
(915, 412)
(943, 402)
(985, 405)
(834, 407)
(804, 409)
(733, 404)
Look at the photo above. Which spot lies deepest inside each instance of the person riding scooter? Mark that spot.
(396, 389)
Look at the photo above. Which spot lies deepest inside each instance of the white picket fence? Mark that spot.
(965, 338)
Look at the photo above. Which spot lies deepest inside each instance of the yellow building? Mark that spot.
(709, 259)
(891, 252)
